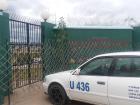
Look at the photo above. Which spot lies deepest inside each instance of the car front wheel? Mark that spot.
(57, 94)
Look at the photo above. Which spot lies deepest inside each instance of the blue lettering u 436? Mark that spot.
(81, 86)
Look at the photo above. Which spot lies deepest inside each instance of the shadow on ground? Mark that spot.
(32, 95)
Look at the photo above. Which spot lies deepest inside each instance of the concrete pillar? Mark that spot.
(47, 34)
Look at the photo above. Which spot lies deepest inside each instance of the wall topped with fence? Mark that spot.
(77, 44)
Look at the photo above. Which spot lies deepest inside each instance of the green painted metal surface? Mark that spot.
(82, 44)
(82, 34)
(47, 33)
(136, 38)
(4, 66)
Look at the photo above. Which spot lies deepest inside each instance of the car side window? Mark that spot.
(127, 67)
(98, 67)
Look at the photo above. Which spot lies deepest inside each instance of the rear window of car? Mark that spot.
(126, 67)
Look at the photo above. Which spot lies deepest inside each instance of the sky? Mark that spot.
(80, 12)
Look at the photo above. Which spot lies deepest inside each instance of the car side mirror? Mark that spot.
(77, 72)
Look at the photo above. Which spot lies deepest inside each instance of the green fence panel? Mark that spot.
(4, 53)
(123, 33)
(136, 38)
(65, 56)
(83, 43)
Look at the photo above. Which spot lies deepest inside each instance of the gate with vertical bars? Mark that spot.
(25, 49)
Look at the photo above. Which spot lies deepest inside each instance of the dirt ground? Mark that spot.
(32, 95)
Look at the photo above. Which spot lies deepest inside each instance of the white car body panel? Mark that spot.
(62, 78)
(119, 90)
(116, 91)
(96, 93)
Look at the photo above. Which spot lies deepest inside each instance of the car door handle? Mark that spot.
(100, 83)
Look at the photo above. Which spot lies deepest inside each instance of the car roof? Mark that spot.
(120, 54)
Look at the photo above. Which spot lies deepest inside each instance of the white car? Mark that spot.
(107, 79)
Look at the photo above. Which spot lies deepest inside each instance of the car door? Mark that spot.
(91, 84)
(124, 81)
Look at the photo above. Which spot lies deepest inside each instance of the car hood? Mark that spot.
(59, 77)
(63, 73)
(68, 71)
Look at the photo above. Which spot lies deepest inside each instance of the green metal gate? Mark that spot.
(25, 46)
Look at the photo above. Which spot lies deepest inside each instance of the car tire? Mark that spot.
(57, 95)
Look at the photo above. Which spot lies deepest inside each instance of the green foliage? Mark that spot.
(61, 35)
(57, 55)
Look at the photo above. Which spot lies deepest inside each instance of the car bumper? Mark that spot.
(45, 87)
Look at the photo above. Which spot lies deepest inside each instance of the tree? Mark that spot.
(60, 47)
(61, 34)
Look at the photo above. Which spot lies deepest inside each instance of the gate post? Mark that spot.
(46, 35)
(28, 51)
(5, 68)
